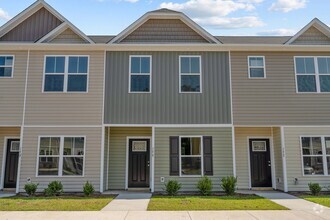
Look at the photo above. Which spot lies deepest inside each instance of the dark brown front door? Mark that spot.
(138, 172)
(261, 174)
(11, 163)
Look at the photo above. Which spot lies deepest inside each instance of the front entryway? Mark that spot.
(260, 163)
(11, 163)
(138, 163)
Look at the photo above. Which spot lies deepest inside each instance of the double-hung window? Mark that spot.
(191, 156)
(61, 156)
(6, 66)
(257, 69)
(66, 74)
(190, 74)
(140, 74)
(312, 74)
(316, 155)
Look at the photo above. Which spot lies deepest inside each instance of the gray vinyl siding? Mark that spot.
(70, 184)
(117, 153)
(12, 91)
(68, 37)
(165, 105)
(222, 156)
(33, 28)
(278, 158)
(294, 158)
(312, 36)
(164, 31)
(274, 101)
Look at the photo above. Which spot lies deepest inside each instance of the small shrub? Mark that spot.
(228, 184)
(54, 188)
(31, 188)
(172, 187)
(88, 189)
(204, 186)
(315, 188)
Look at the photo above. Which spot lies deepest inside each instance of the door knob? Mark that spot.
(148, 163)
(269, 164)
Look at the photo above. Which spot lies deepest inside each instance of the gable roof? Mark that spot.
(165, 14)
(31, 10)
(316, 23)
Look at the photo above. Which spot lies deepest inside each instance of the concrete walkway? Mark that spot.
(4, 194)
(129, 201)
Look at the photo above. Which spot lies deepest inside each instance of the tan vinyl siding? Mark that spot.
(278, 158)
(222, 156)
(33, 28)
(70, 184)
(312, 36)
(6, 132)
(12, 90)
(117, 153)
(164, 31)
(64, 108)
(68, 37)
(294, 158)
(242, 152)
(274, 101)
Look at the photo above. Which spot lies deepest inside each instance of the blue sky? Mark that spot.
(219, 17)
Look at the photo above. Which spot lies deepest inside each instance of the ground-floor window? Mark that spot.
(191, 156)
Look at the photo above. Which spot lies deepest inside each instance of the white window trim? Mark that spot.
(61, 156)
(317, 74)
(139, 74)
(66, 74)
(324, 156)
(263, 67)
(12, 66)
(191, 74)
(201, 156)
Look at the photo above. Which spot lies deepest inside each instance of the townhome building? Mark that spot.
(162, 100)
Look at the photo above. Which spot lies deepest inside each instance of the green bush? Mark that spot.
(172, 187)
(204, 186)
(54, 188)
(228, 184)
(31, 188)
(315, 188)
(88, 189)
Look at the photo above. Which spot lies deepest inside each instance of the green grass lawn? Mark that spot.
(321, 199)
(54, 203)
(251, 202)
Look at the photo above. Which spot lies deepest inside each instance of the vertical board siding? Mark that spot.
(242, 152)
(117, 153)
(12, 90)
(64, 108)
(222, 156)
(70, 184)
(312, 36)
(165, 105)
(294, 158)
(33, 28)
(68, 37)
(274, 101)
(278, 158)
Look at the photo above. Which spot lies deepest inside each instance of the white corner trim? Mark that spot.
(102, 161)
(234, 150)
(152, 151)
(272, 159)
(285, 179)
(108, 159)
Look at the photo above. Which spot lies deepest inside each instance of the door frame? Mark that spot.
(127, 158)
(272, 158)
(4, 160)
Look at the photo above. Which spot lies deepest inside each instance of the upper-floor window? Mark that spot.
(66, 74)
(6, 66)
(312, 74)
(190, 74)
(257, 67)
(140, 74)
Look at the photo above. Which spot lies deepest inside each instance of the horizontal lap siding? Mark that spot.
(222, 156)
(278, 158)
(70, 184)
(274, 101)
(68, 37)
(294, 160)
(242, 152)
(117, 153)
(12, 90)
(64, 108)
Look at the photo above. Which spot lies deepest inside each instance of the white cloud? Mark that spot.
(231, 23)
(4, 15)
(287, 5)
(278, 32)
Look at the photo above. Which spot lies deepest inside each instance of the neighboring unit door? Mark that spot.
(138, 163)
(261, 174)
(11, 163)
